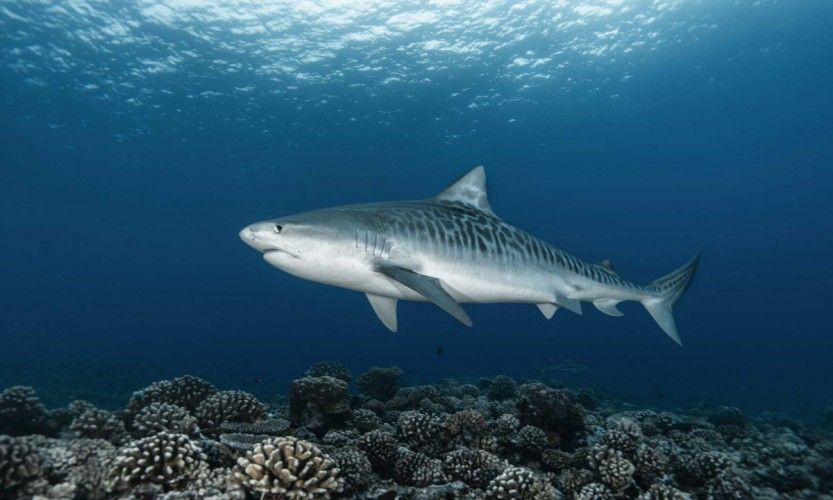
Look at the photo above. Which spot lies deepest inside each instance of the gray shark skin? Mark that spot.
(449, 250)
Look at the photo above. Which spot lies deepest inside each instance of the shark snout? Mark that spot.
(258, 236)
(247, 235)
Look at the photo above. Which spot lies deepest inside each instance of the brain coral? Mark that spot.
(288, 468)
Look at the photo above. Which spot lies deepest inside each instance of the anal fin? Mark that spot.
(608, 306)
(428, 287)
(385, 309)
(568, 303)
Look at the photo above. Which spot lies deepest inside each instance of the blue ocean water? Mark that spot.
(138, 138)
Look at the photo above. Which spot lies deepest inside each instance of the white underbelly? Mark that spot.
(485, 284)
(465, 283)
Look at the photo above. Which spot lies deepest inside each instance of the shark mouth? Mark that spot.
(279, 250)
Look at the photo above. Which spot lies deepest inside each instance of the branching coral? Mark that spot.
(365, 420)
(532, 440)
(624, 435)
(19, 463)
(380, 382)
(354, 467)
(468, 428)
(289, 468)
(573, 479)
(229, 406)
(157, 417)
(416, 469)
(555, 460)
(319, 401)
(421, 429)
(21, 412)
(186, 391)
(501, 388)
(326, 369)
(472, 466)
(551, 409)
(506, 424)
(519, 483)
(166, 459)
(99, 424)
(380, 448)
(594, 491)
(82, 465)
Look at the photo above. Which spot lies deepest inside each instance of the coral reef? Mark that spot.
(229, 406)
(19, 463)
(501, 388)
(182, 439)
(186, 391)
(380, 383)
(326, 369)
(158, 417)
(319, 402)
(520, 483)
(288, 467)
(166, 459)
(99, 424)
(21, 412)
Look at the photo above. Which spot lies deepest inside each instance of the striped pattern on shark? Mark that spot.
(451, 249)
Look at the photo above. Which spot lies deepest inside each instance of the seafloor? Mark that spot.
(498, 438)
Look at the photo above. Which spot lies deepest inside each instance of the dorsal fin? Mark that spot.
(608, 266)
(469, 190)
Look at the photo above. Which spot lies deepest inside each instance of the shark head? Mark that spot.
(306, 244)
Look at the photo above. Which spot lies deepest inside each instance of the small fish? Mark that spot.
(258, 380)
(439, 351)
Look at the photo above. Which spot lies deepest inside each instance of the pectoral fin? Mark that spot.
(428, 287)
(547, 309)
(385, 309)
(608, 306)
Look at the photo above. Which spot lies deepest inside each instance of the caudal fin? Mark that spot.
(666, 292)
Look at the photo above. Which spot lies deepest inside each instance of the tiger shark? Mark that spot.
(451, 249)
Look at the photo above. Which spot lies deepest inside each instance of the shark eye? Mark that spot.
(278, 228)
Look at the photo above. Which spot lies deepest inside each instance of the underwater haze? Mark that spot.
(138, 138)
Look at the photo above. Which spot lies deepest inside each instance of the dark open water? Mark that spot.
(136, 140)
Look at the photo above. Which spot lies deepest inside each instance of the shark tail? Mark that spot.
(665, 292)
